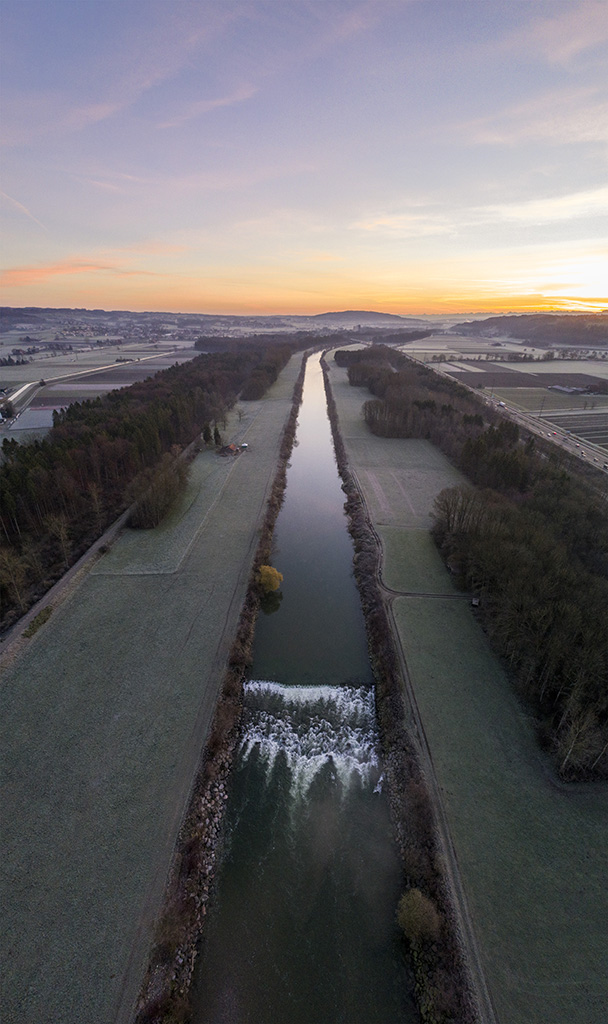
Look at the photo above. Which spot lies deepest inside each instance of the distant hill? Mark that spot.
(584, 330)
(349, 319)
(366, 317)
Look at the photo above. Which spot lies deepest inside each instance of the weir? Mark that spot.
(302, 926)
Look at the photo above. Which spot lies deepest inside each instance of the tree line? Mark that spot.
(59, 493)
(587, 329)
(530, 539)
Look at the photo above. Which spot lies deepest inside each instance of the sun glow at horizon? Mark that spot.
(206, 173)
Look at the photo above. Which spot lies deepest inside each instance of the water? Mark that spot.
(302, 930)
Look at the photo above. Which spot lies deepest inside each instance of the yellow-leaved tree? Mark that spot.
(269, 579)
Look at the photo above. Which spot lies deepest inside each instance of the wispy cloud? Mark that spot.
(36, 115)
(563, 117)
(23, 276)
(139, 64)
(16, 205)
(570, 30)
(574, 206)
(417, 222)
(201, 107)
(224, 180)
(409, 224)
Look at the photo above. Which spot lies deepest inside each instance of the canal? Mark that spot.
(302, 927)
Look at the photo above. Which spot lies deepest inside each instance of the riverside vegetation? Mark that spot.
(530, 539)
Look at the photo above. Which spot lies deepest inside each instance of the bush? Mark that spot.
(418, 916)
(42, 617)
(269, 579)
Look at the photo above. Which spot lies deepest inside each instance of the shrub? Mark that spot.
(269, 579)
(38, 621)
(418, 916)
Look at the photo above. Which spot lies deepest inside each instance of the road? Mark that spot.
(24, 395)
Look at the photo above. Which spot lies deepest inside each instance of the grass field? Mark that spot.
(411, 562)
(104, 714)
(532, 853)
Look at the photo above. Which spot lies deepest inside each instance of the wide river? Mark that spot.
(302, 927)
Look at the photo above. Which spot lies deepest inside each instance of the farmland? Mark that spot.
(75, 378)
(105, 711)
(527, 385)
(531, 852)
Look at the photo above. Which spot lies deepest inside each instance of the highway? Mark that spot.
(537, 424)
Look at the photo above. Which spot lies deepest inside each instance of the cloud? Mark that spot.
(22, 276)
(140, 62)
(201, 107)
(22, 209)
(422, 220)
(570, 30)
(36, 115)
(235, 178)
(407, 225)
(576, 205)
(563, 117)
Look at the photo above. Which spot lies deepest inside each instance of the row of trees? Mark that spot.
(531, 539)
(59, 493)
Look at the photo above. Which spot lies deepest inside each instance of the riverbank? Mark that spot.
(105, 712)
(530, 852)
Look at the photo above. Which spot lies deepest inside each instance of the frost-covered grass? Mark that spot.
(104, 714)
(531, 852)
(411, 562)
(400, 477)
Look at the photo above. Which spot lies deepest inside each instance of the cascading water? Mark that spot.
(302, 928)
(312, 729)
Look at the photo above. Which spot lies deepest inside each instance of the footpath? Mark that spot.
(531, 854)
(104, 713)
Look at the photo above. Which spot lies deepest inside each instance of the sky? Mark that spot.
(298, 156)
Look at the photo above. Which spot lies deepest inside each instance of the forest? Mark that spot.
(60, 493)
(581, 329)
(528, 537)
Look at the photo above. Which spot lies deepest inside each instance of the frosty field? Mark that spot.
(531, 852)
(105, 712)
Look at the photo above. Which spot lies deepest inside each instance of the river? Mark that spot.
(302, 926)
